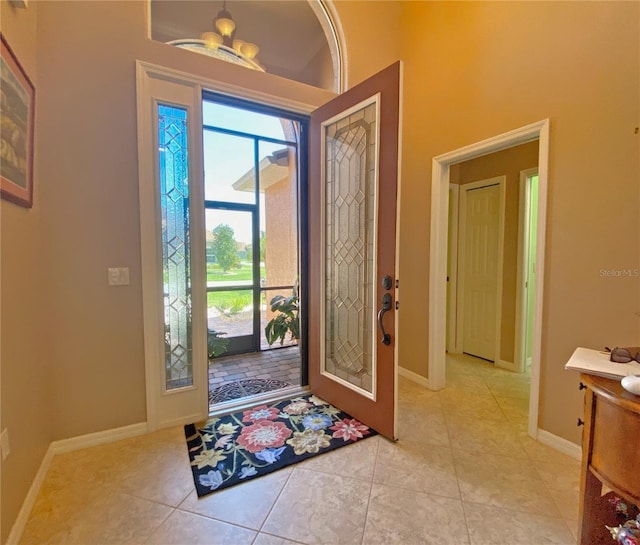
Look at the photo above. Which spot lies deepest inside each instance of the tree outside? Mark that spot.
(263, 246)
(224, 247)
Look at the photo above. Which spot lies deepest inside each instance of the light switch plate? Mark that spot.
(4, 444)
(118, 276)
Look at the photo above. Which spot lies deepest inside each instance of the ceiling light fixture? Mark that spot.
(222, 44)
(225, 25)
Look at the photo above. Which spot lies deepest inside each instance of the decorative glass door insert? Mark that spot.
(174, 206)
(350, 159)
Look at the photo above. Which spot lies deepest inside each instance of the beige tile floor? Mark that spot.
(463, 472)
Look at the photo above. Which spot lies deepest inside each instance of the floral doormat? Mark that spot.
(234, 448)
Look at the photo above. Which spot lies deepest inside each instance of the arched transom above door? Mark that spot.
(295, 39)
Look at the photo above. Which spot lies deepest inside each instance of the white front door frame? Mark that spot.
(438, 250)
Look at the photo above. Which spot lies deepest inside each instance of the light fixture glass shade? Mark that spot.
(237, 45)
(212, 39)
(225, 26)
(221, 52)
(221, 44)
(249, 50)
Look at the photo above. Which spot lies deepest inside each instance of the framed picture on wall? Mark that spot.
(17, 105)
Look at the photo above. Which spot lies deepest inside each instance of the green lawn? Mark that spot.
(245, 272)
(231, 302)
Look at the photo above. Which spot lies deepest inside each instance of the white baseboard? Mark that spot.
(504, 364)
(59, 447)
(558, 443)
(181, 421)
(413, 377)
(98, 438)
(30, 499)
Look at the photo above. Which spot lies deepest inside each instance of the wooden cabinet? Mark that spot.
(610, 456)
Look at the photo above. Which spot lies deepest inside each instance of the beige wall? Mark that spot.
(26, 338)
(372, 33)
(319, 71)
(477, 69)
(509, 163)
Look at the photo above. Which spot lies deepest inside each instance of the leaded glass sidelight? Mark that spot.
(349, 246)
(174, 206)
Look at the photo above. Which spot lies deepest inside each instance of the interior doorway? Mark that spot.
(252, 186)
(442, 169)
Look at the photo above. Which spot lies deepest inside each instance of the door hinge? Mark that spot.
(397, 283)
(397, 305)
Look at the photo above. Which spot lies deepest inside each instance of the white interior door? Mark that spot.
(481, 256)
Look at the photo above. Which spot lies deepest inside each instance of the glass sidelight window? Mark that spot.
(174, 206)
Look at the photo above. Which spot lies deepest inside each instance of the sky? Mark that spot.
(227, 158)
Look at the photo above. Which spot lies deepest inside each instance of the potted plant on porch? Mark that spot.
(286, 320)
(216, 345)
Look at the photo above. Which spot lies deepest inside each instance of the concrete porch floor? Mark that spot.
(276, 364)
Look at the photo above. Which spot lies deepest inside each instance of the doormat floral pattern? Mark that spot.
(234, 448)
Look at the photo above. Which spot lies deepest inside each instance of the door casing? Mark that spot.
(438, 251)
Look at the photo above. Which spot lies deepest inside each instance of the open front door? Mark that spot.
(353, 182)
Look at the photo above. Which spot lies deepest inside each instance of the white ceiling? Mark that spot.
(286, 31)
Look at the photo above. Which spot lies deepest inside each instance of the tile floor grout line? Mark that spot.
(455, 467)
(258, 534)
(466, 520)
(373, 476)
(511, 510)
(277, 498)
(159, 525)
(455, 470)
(158, 502)
(551, 495)
(216, 519)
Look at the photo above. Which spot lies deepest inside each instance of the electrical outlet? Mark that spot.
(4, 444)
(118, 276)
